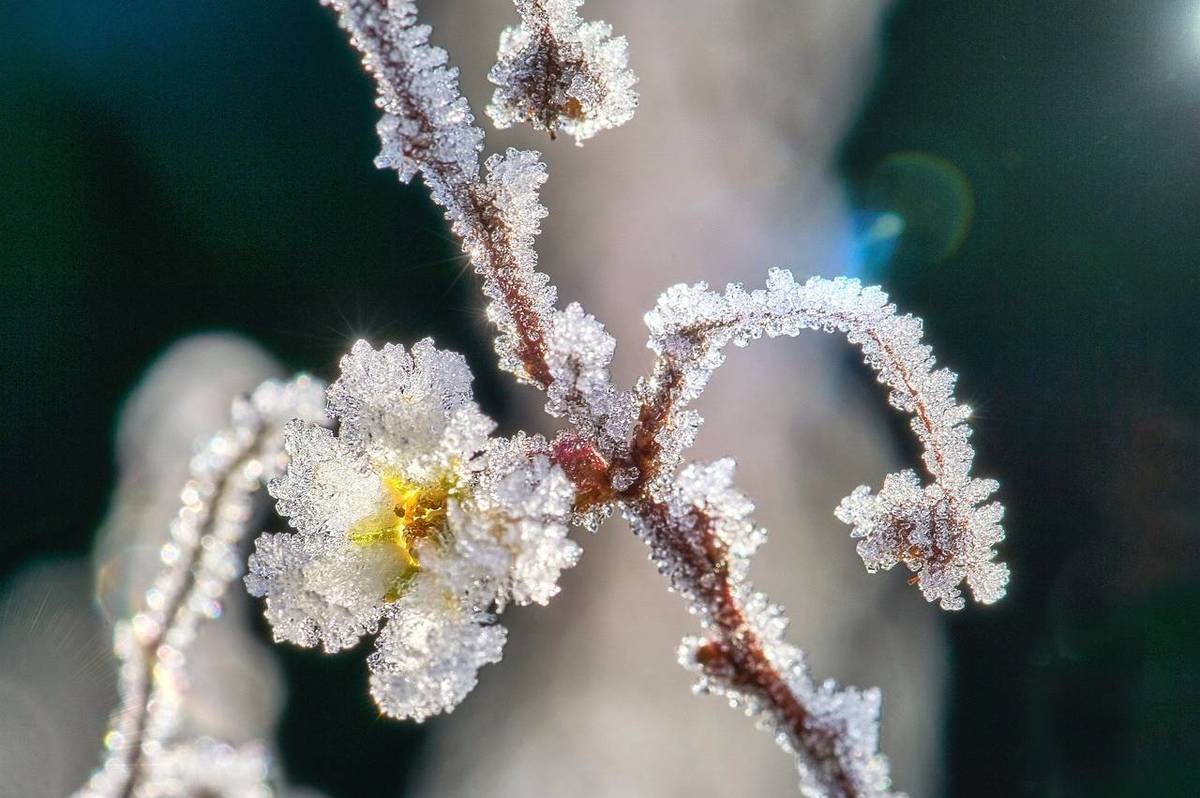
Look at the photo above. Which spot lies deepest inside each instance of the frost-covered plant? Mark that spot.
(558, 72)
(413, 523)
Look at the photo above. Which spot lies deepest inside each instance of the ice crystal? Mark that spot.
(411, 518)
(939, 531)
(560, 73)
(199, 561)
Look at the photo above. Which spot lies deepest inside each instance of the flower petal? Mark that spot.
(429, 654)
(330, 595)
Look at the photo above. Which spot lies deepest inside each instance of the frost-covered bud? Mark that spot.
(411, 518)
(560, 73)
(920, 527)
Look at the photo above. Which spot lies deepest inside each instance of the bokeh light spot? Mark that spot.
(930, 197)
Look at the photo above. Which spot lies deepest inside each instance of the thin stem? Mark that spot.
(141, 687)
(737, 656)
(176, 612)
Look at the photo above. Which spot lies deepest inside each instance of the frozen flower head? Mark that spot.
(411, 519)
(560, 73)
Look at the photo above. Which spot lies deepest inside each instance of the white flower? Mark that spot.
(411, 518)
(561, 73)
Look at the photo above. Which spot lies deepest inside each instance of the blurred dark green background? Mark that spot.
(172, 167)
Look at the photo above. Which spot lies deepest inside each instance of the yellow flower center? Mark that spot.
(415, 511)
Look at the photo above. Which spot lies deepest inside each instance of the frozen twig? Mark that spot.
(939, 531)
(428, 128)
(145, 756)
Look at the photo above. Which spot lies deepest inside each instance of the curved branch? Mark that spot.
(938, 530)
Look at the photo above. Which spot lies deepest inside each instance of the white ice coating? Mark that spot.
(560, 73)
(410, 440)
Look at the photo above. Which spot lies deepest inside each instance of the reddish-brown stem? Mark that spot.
(736, 655)
(587, 469)
(653, 417)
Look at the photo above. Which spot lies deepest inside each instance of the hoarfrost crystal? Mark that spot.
(411, 518)
(560, 73)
